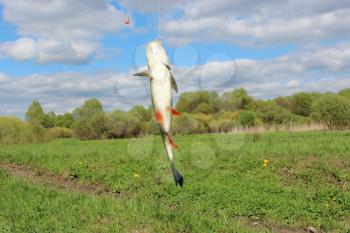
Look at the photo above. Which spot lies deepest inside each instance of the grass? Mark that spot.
(227, 188)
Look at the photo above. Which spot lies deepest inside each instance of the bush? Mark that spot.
(15, 131)
(120, 124)
(301, 104)
(61, 132)
(221, 125)
(247, 118)
(271, 113)
(333, 111)
(185, 124)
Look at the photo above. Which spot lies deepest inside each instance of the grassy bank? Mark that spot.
(226, 188)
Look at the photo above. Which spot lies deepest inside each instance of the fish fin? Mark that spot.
(144, 73)
(173, 83)
(167, 66)
(159, 116)
(171, 141)
(174, 112)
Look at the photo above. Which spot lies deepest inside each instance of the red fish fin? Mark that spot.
(174, 112)
(159, 116)
(171, 141)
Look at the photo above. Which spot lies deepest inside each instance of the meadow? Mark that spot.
(126, 185)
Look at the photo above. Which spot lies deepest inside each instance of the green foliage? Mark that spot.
(35, 114)
(122, 124)
(185, 124)
(301, 104)
(66, 120)
(49, 120)
(283, 102)
(271, 113)
(90, 120)
(14, 131)
(206, 112)
(236, 100)
(221, 126)
(247, 118)
(198, 101)
(141, 113)
(345, 92)
(61, 132)
(333, 110)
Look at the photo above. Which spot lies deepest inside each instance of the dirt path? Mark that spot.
(59, 181)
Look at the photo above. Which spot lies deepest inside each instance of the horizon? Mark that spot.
(270, 49)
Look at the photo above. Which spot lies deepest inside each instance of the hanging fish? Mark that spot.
(162, 82)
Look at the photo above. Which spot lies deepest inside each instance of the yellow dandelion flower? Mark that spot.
(266, 162)
(136, 175)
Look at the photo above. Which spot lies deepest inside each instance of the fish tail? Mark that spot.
(169, 144)
(179, 179)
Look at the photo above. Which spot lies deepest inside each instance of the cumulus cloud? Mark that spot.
(59, 31)
(259, 23)
(49, 51)
(306, 70)
(153, 6)
(63, 92)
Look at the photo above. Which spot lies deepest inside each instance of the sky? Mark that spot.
(63, 52)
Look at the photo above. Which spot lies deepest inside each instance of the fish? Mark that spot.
(162, 82)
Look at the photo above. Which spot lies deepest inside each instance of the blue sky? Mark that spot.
(62, 52)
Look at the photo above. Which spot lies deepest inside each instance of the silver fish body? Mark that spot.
(162, 82)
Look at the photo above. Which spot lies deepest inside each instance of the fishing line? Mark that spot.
(158, 33)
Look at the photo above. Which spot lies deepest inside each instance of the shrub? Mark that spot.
(301, 104)
(15, 131)
(271, 113)
(61, 132)
(333, 111)
(185, 124)
(247, 118)
(221, 125)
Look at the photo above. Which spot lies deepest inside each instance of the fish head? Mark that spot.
(156, 54)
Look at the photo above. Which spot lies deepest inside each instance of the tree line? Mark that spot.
(202, 112)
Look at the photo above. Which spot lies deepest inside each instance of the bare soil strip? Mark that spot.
(59, 181)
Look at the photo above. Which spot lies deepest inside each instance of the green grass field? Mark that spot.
(227, 188)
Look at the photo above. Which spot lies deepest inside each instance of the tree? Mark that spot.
(271, 113)
(236, 100)
(65, 120)
(198, 101)
(49, 120)
(333, 111)
(122, 124)
(301, 103)
(247, 118)
(35, 114)
(283, 102)
(90, 120)
(141, 113)
(184, 124)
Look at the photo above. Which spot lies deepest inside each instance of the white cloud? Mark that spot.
(49, 51)
(59, 31)
(153, 6)
(259, 23)
(3, 77)
(304, 70)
